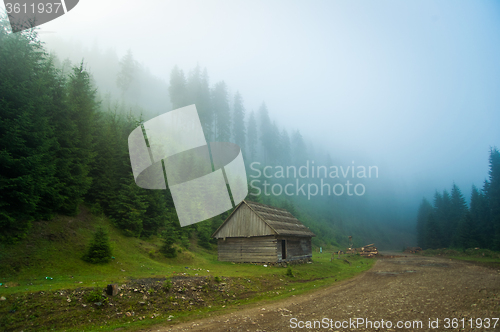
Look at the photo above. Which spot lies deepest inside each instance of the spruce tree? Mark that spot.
(458, 208)
(76, 139)
(480, 214)
(127, 75)
(424, 211)
(265, 131)
(99, 250)
(442, 209)
(493, 194)
(252, 137)
(177, 89)
(222, 113)
(466, 235)
(299, 151)
(198, 93)
(433, 237)
(239, 134)
(285, 148)
(169, 236)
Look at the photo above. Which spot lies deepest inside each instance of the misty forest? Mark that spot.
(65, 127)
(357, 158)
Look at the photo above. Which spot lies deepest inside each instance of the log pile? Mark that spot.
(367, 251)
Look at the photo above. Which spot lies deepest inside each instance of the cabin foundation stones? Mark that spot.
(258, 233)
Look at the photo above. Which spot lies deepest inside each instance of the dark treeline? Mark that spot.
(449, 223)
(60, 147)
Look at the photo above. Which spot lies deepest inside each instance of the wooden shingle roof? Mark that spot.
(279, 220)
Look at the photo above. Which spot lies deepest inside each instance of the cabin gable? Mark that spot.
(244, 223)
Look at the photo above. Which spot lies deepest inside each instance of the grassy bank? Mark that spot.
(153, 289)
(484, 256)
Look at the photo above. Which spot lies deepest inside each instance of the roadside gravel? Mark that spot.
(402, 288)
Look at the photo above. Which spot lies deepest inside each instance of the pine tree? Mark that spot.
(178, 89)
(433, 239)
(129, 209)
(299, 151)
(252, 137)
(458, 208)
(442, 208)
(285, 148)
(275, 144)
(239, 134)
(466, 235)
(155, 215)
(76, 139)
(480, 214)
(493, 194)
(265, 130)
(127, 74)
(169, 236)
(99, 250)
(204, 234)
(198, 92)
(222, 113)
(424, 211)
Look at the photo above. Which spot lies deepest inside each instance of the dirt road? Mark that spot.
(401, 289)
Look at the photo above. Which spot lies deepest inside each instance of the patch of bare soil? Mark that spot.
(409, 288)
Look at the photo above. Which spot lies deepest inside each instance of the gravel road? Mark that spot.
(405, 289)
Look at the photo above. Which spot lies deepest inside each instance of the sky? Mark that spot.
(412, 87)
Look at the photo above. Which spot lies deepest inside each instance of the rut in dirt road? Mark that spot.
(407, 289)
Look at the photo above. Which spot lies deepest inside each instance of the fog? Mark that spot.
(409, 87)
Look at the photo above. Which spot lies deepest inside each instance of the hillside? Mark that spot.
(44, 273)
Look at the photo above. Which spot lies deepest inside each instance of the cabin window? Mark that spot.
(283, 249)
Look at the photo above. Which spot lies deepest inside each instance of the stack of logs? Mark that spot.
(366, 251)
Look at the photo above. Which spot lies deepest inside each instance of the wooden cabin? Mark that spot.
(257, 233)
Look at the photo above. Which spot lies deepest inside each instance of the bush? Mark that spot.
(99, 250)
(167, 286)
(95, 295)
(289, 272)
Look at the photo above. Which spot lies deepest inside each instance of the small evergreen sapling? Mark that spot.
(99, 250)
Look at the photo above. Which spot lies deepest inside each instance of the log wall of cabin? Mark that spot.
(259, 249)
(296, 248)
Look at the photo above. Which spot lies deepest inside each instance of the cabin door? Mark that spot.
(283, 249)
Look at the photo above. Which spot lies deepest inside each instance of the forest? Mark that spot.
(450, 223)
(64, 143)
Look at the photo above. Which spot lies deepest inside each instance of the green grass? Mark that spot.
(484, 256)
(54, 249)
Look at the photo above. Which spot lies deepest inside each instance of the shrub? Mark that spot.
(289, 272)
(167, 286)
(99, 250)
(95, 295)
(217, 279)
